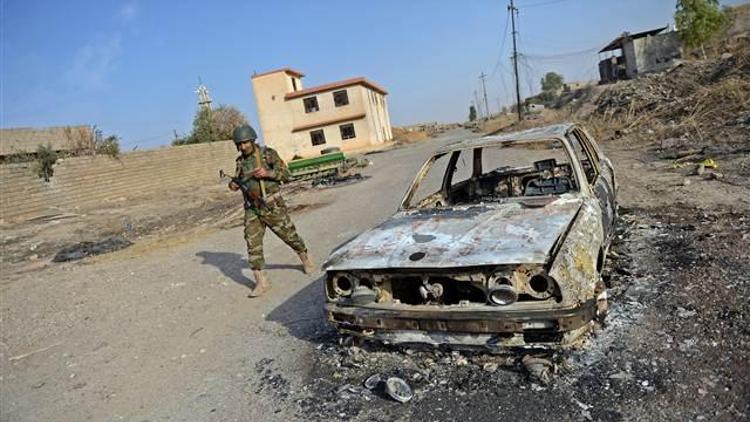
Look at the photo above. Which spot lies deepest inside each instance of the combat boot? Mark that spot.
(306, 263)
(261, 284)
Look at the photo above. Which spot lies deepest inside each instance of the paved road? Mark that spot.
(168, 334)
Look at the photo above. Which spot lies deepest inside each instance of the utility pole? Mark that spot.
(484, 90)
(476, 101)
(513, 10)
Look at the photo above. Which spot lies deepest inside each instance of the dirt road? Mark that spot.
(167, 333)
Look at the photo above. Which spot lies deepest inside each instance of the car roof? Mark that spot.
(533, 134)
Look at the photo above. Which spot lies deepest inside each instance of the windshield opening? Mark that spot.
(494, 173)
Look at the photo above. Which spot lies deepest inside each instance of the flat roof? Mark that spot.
(533, 134)
(335, 85)
(287, 70)
(620, 41)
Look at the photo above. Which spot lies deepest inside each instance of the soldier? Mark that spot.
(263, 171)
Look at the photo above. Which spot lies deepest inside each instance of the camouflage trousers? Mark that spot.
(273, 215)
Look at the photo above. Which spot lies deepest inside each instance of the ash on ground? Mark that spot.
(665, 319)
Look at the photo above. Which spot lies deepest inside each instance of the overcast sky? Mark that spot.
(131, 67)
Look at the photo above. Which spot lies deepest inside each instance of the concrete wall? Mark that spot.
(379, 119)
(86, 182)
(657, 53)
(61, 138)
(631, 62)
(653, 53)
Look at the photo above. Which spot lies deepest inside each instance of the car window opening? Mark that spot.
(519, 169)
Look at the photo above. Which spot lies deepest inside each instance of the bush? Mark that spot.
(46, 158)
(109, 145)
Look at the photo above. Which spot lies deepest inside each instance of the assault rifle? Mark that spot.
(250, 200)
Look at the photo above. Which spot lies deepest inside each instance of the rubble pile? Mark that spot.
(361, 382)
(702, 103)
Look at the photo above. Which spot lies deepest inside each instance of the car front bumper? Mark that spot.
(489, 329)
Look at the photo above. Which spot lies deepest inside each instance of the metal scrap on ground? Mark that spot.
(84, 249)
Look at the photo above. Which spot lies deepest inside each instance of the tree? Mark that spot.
(223, 121)
(698, 21)
(202, 130)
(552, 82)
(472, 113)
(213, 125)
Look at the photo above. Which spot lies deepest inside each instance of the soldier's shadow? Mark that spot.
(303, 316)
(231, 265)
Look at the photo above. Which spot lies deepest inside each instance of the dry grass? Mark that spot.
(403, 136)
(702, 102)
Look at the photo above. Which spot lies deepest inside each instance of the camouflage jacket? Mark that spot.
(270, 160)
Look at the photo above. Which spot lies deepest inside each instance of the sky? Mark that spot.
(131, 67)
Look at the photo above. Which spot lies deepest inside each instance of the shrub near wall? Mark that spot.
(87, 182)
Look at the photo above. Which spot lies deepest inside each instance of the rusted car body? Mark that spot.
(498, 243)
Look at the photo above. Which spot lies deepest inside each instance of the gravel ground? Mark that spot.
(163, 331)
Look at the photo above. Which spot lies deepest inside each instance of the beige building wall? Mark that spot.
(287, 127)
(273, 110)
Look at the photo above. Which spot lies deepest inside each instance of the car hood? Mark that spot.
(495, 234)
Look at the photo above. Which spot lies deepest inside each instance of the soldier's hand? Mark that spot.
(260, 173)
(233, 186)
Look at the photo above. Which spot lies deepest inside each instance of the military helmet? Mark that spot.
(244, 133)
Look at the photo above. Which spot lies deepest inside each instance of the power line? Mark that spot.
(502, 45)
(529, 71)
(502, 80)
(542, 3)
(561, 55)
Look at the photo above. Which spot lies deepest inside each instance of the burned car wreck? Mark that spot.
(498, 243)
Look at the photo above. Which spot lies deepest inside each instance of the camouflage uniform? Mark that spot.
(270, 212)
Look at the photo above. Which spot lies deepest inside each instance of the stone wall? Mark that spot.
(87, 182)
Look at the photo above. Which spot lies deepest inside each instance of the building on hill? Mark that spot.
(302, 122)
(644, 52)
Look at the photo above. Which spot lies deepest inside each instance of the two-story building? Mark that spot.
(349, 114)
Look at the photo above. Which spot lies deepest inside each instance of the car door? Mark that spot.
(607, 168)
(599, 176)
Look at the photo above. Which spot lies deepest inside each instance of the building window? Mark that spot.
(311, 104)
(347, 131)
(340, 98)
(318, 137)
(294, 84)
